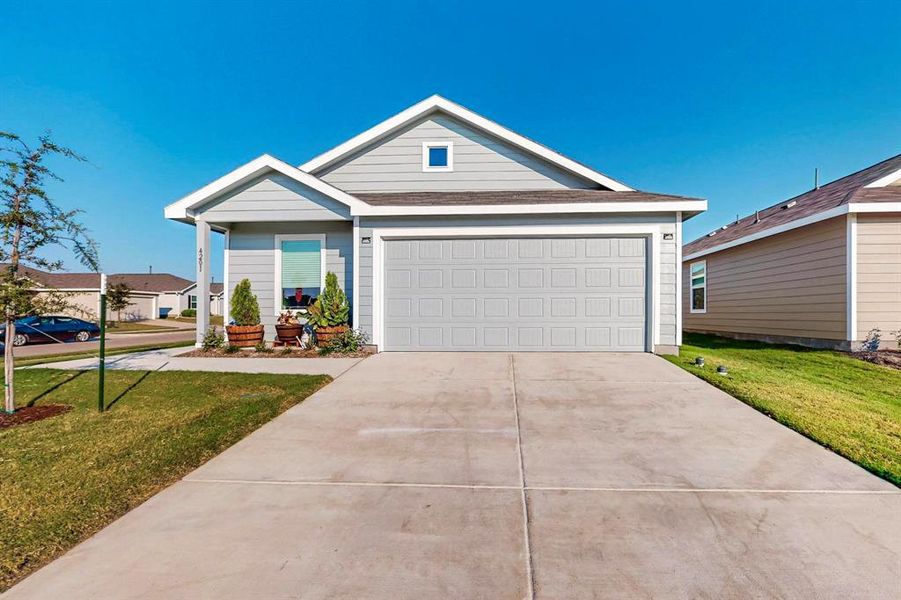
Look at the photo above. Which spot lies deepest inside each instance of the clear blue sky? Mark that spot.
(736, 105)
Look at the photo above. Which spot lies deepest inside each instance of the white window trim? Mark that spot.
(692, 287)
(425, 157)
(294, 237)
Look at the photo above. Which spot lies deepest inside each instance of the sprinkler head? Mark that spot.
(699, 361)
(722, 370)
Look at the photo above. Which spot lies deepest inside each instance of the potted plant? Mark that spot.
(328, 315)
(288, 329)
(247, 331)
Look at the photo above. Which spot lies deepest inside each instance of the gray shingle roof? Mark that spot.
(511, 197)
(139, 282)
(846, 190)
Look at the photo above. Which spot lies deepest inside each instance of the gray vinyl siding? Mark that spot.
(667, 293)
(364, 297)
(274, 197)
(668, 290)
(786, 287)
(480, 162)
(879, 276)
(252, 255)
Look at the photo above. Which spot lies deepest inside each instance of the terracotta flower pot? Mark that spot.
(289, 333)
(245, 336)
(327, 334)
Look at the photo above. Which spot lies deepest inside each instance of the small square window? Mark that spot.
(437, 156)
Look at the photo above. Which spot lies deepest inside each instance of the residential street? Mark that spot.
(113, 340)
(504, 476)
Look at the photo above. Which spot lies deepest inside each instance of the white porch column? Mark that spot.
(202, 262)
(226, 293)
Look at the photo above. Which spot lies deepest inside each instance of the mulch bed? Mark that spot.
(289, 352)
(30, 414)
(886, 358)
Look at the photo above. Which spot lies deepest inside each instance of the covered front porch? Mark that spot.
(283, 229)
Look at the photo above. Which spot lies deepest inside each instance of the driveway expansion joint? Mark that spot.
(530, 574)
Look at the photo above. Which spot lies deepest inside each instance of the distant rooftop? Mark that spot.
(139, 282)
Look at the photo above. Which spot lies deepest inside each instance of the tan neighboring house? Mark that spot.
(152, 293)
(821, 269)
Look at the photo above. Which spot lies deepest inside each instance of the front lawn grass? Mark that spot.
(64, 478)
(214, 319)
(137, 327)
(849, 406)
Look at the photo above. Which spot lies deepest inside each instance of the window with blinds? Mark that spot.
(301, 272)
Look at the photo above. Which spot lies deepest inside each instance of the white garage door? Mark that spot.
(576, 294)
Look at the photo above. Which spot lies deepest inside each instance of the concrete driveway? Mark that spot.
(504, 476)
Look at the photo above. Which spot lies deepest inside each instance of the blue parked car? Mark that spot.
(51, 329)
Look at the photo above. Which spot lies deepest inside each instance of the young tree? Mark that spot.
(117, 298)
(30, 221)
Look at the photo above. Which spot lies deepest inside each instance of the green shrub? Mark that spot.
(212, 339)
(351, 340)
(189, 312)
(331, 307)
(245, 309)
(263, 348)
(231, 349)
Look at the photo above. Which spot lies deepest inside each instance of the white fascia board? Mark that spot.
(434, 103)
(829, 214)
(853, 208)
(875, 207)
(887, 180)
(183, 209)
(684, 206)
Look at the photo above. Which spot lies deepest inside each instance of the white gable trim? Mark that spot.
(887, 180)
(809, 220)
(686, 206)
(844, 209)
(184, 208)
(435, 103)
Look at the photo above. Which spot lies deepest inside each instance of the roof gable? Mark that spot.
(437, 104)
(184, 209)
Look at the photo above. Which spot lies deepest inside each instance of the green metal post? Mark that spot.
(102, 366)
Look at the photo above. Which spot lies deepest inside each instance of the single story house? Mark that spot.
(448, 231)
(153, 294)
(165, 287)
(822, 269)
(187, 298)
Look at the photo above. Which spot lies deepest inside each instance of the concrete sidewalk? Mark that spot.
(169, 360)
(504, 476)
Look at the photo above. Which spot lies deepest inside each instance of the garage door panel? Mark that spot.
(515, 294)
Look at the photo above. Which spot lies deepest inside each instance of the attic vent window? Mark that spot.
(437, 156)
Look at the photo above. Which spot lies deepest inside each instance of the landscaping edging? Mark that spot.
(286, 352)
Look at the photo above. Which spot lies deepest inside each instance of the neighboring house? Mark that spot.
(151, 293)
(187, 298)
(165, 287)
(821, 269)
(448, 231)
